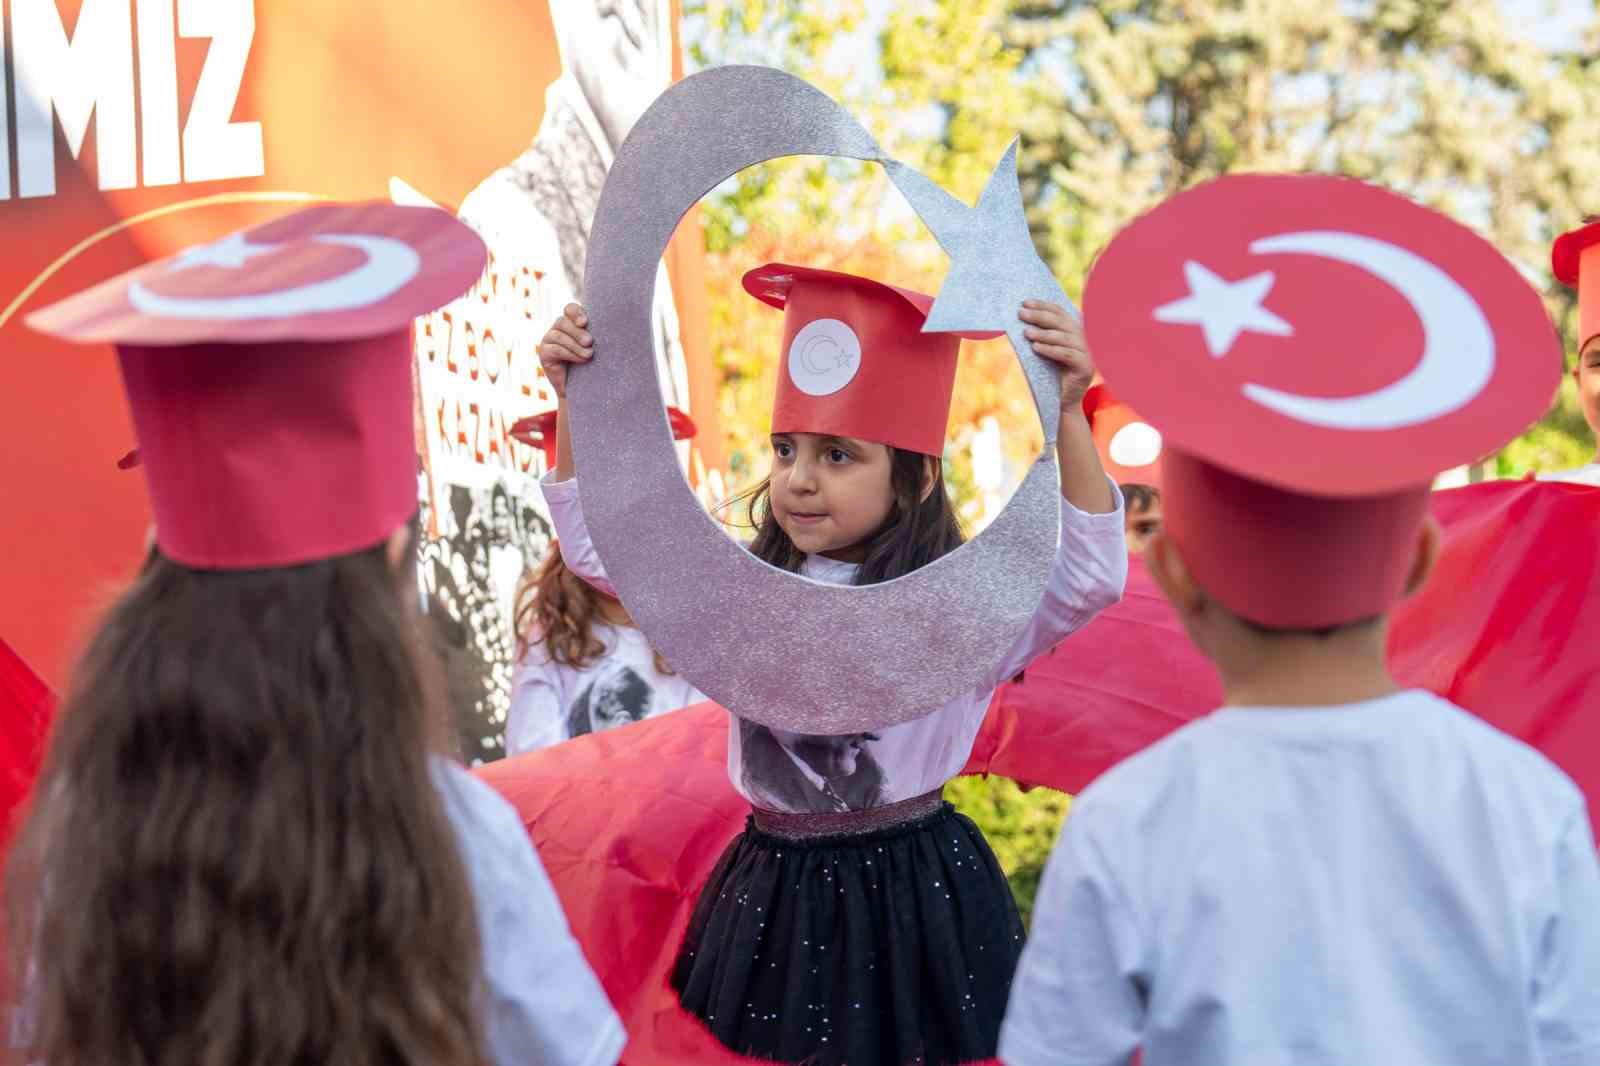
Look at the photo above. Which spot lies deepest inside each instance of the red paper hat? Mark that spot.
(270, 378)
(855, 360)
(1314, 350)
(1576, 260)
(1129, 447)
(539, 431)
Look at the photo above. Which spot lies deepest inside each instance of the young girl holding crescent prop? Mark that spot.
(859, 918)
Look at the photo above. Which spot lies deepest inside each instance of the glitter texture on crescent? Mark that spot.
(772, 646)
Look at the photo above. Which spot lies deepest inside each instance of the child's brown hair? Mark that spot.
(557, 608)
(236, 855)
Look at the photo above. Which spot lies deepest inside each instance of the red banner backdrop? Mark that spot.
(142, 126)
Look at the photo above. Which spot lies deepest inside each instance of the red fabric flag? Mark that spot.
(630, 822)
(25, 706)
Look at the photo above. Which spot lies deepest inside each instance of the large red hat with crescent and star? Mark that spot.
(1576, 262)
(856, 362)
(270, 378)
(1314, 350)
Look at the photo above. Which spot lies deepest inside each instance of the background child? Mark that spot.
(1142, 504)
(1328, 869)
(1576, 259)
(244, 849)
(582, 665)
(858, 918)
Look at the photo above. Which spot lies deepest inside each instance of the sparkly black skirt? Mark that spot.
(895, 946)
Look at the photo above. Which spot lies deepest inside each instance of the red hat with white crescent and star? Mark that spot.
(856, 362)
(269, 375)
(1314, 350)
(539, 431)
(1575, 259)
(1129, 447)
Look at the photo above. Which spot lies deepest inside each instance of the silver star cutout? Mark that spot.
(1224, 309)
(993, 268)
(232, 252)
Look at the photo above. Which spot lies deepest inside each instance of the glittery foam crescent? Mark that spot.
(772, 646)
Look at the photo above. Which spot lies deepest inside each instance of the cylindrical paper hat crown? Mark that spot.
(270, 378)
(1576, 259)
(855, 361)
(1310, 374)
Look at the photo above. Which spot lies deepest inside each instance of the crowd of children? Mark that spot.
(248, 844)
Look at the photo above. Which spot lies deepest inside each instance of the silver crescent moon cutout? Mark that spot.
(389, 265)
(772, 646)
(1457, 356)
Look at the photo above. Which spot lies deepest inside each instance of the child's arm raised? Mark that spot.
(1058, 336)
(568, 342)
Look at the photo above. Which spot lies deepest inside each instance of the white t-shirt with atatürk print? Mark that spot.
(552, 702)
(803, 773)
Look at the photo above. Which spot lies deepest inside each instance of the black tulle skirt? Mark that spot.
(893, 947)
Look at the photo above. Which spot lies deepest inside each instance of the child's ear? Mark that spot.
(1427, 555)
(930, 477)
(1161, 558)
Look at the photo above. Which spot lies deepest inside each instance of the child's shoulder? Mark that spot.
(1517, 763)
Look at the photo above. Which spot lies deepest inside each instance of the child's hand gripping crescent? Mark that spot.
(568, 341)
(1058, 336)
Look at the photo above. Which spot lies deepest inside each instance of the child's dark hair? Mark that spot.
(1137, 497)
(236, 855)
(917, 531)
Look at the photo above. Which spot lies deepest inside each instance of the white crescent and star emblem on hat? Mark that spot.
(1457, 359)
(824, 357)
(328, 272)
(388, 266)
(1355, 356)
(1135, 444)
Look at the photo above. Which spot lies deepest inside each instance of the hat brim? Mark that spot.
(770, 283)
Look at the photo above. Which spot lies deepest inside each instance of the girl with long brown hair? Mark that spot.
(246, 847)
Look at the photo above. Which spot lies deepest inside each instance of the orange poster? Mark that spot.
(135, 127)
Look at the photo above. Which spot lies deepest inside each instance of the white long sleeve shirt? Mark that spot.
(906, 760)
(1391, 881)
(542, 1002)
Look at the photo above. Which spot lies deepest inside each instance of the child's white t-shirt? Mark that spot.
(810, 774)
(551, 702)
(1384, 882)
(541, 1003)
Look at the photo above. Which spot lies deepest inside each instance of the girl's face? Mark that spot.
(1588, 374)
(829, 494)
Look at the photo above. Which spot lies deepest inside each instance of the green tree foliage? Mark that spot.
(1119, 104)
(1438, 99)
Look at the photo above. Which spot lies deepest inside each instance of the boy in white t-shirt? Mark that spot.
(1576, 261)
(1329, 869)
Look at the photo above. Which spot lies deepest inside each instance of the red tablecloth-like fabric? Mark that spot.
(629, 823)
(25, 706)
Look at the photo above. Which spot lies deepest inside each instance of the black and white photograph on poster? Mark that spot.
(469, 577)
(484, 520)
(806, 773)
(617, 695)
